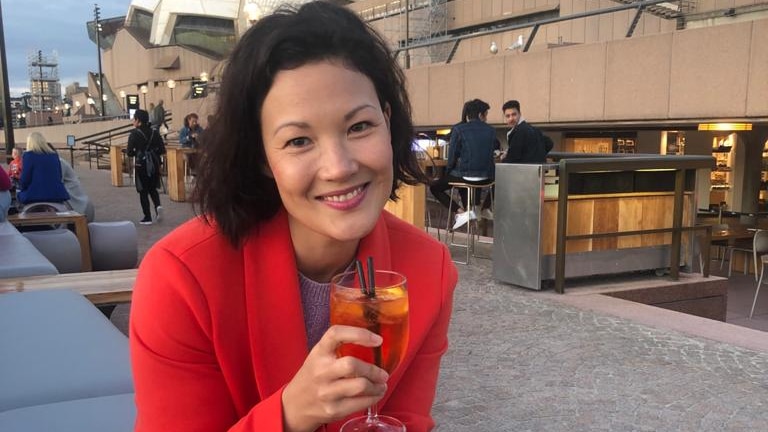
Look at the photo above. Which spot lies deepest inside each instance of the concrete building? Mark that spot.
(593, 76)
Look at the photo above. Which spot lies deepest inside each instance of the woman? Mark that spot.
(41, 178)
(189, 135)
(229, 322)
(5, 195)
(146, 146)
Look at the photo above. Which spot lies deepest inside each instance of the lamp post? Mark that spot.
(171, 85)
(7, 112)
(98, 50)
(144, 89)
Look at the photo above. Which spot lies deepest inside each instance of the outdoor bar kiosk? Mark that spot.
(611, 194)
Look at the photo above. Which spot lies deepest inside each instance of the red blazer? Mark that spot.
(216, 332)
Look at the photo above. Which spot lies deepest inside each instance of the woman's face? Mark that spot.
(329, 150)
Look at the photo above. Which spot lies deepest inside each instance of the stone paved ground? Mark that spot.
(521, 362)
(518, 362)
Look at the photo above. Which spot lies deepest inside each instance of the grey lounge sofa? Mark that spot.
(63, 366)
(19, 257)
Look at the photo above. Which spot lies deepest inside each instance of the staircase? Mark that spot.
(674, 9)
(671, 10)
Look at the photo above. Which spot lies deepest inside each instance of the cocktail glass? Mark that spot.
(386, 314)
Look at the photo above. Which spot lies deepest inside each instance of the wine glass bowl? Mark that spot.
(385, 312)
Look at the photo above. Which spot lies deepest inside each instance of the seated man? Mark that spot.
(470, 159)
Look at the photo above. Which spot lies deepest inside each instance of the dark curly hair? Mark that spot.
(232, 189)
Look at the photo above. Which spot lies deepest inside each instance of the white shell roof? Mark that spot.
(166, 11)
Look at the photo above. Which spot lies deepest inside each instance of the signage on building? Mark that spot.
(131, 104)
(199, 89)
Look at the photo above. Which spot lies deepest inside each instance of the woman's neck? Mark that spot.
(320, 258)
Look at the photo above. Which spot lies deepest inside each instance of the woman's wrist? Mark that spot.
(293, 418)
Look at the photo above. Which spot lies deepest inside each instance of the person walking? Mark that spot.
(157, 116)
(146, 146)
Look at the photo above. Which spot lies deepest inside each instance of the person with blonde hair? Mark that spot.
(41, 178)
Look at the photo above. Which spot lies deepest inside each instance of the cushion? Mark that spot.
(57, 346)
(19, 257)
(116, 413)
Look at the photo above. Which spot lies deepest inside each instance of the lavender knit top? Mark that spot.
(316, 302)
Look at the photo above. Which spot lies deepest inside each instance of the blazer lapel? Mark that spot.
(275, 317)
(376, 245)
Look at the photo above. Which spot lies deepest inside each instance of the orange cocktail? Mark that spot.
(385, 314)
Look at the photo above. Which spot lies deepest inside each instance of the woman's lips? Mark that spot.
(346, 199)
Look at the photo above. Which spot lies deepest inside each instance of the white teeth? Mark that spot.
(345, 197)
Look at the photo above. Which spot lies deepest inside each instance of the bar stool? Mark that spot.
(469, 245)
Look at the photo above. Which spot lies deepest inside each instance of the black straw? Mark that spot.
(361, 276)
(371, 278)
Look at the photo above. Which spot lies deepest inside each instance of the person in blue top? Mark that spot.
(189, 135)
(470, 159)
(41, 178)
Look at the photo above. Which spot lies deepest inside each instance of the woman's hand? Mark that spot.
(327, 388)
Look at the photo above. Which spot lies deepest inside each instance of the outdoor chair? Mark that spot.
(760, 247)
(114, 245)
(60, 247)
(747, 247)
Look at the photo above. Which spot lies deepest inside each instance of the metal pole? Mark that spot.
(10, 142)
(562, 227)
(98, 51)
(407, 34)
(677, 222)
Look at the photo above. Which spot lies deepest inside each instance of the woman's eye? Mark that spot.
(360, 127)
(297, 142)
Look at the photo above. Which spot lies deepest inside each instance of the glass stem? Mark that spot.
(373, 413)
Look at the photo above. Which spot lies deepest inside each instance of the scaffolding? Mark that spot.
(423, 21)
(44, 84)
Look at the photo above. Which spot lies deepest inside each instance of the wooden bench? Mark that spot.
(100, 287)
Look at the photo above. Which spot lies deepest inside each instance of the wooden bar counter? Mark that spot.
(174, 158)
(116, 161)
(411, 205)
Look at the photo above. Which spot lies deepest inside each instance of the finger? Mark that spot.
(340, 334)
(351, 367)
(350, 395)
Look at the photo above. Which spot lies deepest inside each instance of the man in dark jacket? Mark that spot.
(470, 159)
(525, 143)
(146, 146)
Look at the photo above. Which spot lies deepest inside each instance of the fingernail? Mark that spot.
(377, 339)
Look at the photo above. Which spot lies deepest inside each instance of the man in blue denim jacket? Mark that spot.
(470, 159)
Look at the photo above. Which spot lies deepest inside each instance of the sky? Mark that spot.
(53, 25)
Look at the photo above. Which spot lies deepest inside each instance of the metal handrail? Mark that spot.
(534, 24)
(680, 164)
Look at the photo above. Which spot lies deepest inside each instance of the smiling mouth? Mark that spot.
(340, 198)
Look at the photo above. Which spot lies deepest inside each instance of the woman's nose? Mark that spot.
(337, 162)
